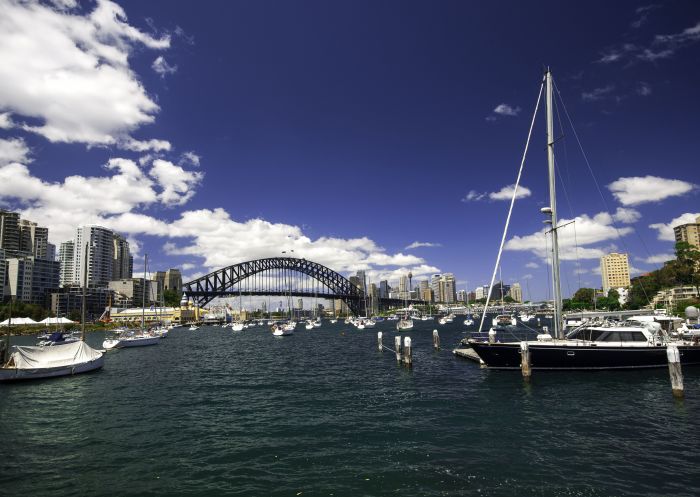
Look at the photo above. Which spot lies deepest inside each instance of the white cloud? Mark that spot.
(177, 183)
(13, 150)
(644, 189)
(145, 145)
(665, 230)
(191, 158)
(506, 110)
(161, 66)
(6, 120)
(597, 93)
(69, 73)
(532, 265)
(659, 258)
(584, 232)
(643, 89)
(423, 244)
(581, 270)
(626, 215)
(506, 193)
(659, 48)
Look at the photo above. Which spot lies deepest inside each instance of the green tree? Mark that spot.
(584, 295)
(172, 297)
(688, 264)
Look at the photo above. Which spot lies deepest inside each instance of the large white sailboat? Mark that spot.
(405, 323)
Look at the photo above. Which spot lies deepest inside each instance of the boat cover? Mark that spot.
(51, 357)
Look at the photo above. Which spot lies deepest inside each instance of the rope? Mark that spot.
(512, 201)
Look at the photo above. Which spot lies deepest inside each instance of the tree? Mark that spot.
(688, 264)
(584, 295)
(172, 297)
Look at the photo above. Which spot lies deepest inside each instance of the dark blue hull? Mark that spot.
(542, 357)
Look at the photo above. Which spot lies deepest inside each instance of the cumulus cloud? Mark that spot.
(644, 189)
(503, 110)
(69, 73)
(145, 145)
(178, 184)
(13, 150)
(658, 258)
(532, 265)
(161, 66)
(643, 89)
(6, 120)
(665, 230)
(423, 244)
(505, 193)
(626, 215)
(585, 231)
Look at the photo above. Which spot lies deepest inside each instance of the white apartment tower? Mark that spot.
(98, 243)
(615, 271)
(66, 252)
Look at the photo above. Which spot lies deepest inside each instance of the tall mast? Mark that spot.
(143, 303)
(553, 206)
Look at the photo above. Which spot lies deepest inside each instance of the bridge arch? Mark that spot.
(281, 271)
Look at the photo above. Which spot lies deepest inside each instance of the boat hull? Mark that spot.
(15, 374)
(584, 357)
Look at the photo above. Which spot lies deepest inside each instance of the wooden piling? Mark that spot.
(407, 352)
(674, 369)
(379, 341)
(436, 340)
(397, 347)
(525, 360)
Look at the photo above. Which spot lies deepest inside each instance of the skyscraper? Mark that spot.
(173, 280)
(98, 243)
(516, 293)
(9, 233)
(383, 289)
(33, 239)
(122, 262)
(614, 271)
(66, 253)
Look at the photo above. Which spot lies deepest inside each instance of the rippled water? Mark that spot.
(214, 412)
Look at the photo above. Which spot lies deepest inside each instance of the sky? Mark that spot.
(383, 136)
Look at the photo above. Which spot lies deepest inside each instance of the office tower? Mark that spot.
(66, 254)
(173, 280)
(51, 252)
(30, 279)
(9, 233)
(363, 280)
(3, 274)
(383, 289)
(33, 239)
(516, 293)
(614, 271)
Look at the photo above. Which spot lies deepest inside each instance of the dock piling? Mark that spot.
(379, 341)
(436, 340)
(407, 352)
(674, 369)
(525, 360)
(397, 347)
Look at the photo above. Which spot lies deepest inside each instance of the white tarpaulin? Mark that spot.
(52, 357)
(19, 321)
(60, 320)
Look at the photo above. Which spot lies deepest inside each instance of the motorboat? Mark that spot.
(57, 338)
(504, 320)
(237, 326)
(130, 338)
(469, 322)
(34, 362)
(309, 325)
(282, 329)
(404, 324)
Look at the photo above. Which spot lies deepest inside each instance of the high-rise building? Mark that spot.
(158, 277)
(403, 285)
(98, 243)
(130, 292)
(516, 293)
(3, 276)
(435, 286)
(9, 233)
(499, 291)
(462, 296)
(122, 261)
(33, 239)
(356, 281)
(383, 289)
(51, 252)
(66, 254)
(31, 279)
(362, 277)
(173, 280)
(448, 288)
(614, 271)
(689, 232)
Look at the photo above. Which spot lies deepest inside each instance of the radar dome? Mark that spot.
(691, 312)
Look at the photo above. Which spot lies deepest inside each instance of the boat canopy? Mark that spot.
(26, 357)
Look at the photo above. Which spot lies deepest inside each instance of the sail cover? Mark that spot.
(52, 357)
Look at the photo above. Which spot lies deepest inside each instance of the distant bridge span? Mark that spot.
(286, 276)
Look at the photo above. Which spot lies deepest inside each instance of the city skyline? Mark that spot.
(386, 149)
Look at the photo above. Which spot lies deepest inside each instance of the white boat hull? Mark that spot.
(122, 343)
(15, 374)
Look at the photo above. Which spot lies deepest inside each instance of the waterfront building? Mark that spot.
(31, 279)
(435, 286)
(98, 243)
(122, 260)
(129, 292)
(67, 301)
(689, 232)
(462, 296)
(33, 239)
(9, 233)
(427, 295)
(384, 289)
(152, 315)
(51, 252)
(614, 271)
(173, 280)
(671, 296)
(444, 288)
(158, 278)
(66, 254)
(516, 292)
(499, 291)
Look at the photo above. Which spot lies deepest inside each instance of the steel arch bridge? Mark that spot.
(276, 276)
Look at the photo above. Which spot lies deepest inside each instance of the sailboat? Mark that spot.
(134, 338)
(405, 323)
(628, 345)
(33, 362)
(238, 325)
(469, 321)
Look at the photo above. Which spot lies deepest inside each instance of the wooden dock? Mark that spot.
(467, 353)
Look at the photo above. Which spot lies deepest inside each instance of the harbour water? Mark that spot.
(323, 412)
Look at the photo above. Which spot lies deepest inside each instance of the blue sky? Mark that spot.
(215, 132)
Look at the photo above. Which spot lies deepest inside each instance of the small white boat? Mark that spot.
(27, 363)
(317, 323)
(504, 320)
(333, 321)
(238, 326)
(468, 322)
(309, 325)
(282, 330)
(442, 320)
(360, 325)
(193, 328)
(404, 324)
(369, 323)
(130, 339)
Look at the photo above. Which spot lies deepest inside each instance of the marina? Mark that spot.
(335, 415)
